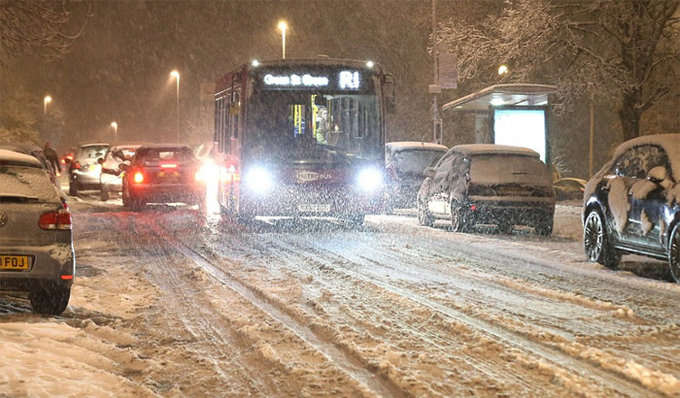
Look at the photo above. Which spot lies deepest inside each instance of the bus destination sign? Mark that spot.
(346, 80)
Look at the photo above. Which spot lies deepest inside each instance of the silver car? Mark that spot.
(84, 170)
(36, 245)
(116, 155)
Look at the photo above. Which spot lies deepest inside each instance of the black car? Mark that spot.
(405, 162)
(162, 174)
(488, 184)
(632, 205)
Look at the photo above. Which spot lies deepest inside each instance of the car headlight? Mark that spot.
(370, 179)
(259, 180)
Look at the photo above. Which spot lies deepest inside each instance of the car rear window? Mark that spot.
(507, 169)
(27, 182)
(91, 153)
(416, 160)
(155, 155)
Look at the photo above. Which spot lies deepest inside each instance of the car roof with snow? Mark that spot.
(94, 144)
(409, 145)
(494, 149)
(18, 159)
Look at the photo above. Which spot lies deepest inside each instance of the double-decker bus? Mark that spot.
(302, 137)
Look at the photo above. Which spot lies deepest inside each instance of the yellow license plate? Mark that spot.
(15, 262)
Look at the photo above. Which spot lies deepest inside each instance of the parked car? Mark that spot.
(569, 188)
(115, 156)
(36, 245)
(488, 184)
(632, 205)
(162, 174)
(404, 165)
(84, 170)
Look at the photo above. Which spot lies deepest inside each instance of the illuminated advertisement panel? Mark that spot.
(524, 126)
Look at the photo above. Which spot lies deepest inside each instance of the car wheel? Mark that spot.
(459, 218)
(596, 242)
(674, 253)
(50, 299)
(544, 227)
(424, 216)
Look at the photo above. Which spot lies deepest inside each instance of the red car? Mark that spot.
(162, 174)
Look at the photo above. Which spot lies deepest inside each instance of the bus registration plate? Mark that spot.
(314, 207)
(20, 263)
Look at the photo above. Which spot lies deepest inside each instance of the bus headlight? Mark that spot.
(370, 179)
(259, 180)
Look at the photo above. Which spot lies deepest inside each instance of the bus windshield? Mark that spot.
(315, 127)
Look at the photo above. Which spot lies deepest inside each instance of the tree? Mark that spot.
(622, 52)
(27, 26)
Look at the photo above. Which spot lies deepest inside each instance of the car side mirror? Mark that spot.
(657, 174)
(429, 172)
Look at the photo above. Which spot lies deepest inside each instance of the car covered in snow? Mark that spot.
(632, 205)
(488, 184)
(112, 181)
(162, 174)
(405, 162)
(36, 246)
(84, 170)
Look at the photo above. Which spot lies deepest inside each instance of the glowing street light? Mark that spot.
(115, 131)
(175, 74)
(503, 70)
(46, 101)
(283, 26)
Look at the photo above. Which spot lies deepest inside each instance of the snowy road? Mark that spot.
(169, 303)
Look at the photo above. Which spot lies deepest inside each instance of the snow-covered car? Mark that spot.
(84, 170)
(569, 188)
(632, 205)
(405, 162)
(162, 174)
(488, 184)
(36, 246)
(115, 156)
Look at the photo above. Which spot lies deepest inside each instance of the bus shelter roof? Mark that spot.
(514, 94)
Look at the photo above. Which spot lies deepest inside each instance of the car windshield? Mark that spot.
(315, 127)
(414, 161)
(505, 169)
(27, 182)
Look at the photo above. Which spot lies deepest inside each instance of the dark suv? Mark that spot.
(488, 184)
(632, 204)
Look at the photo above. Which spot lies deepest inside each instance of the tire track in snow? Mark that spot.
(584, 368)
(351, 366)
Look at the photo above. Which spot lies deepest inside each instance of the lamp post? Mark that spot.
(283, 26)
(175, 74)
(46, 101)
(115, 131)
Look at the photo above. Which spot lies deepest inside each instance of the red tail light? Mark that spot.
(138, 177)
(473, 208)
(76, 165)
(55, 220)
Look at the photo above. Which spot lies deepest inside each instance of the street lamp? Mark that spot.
(283, 26)
(502, 70)
(47, 100)
(115, 131)
(175, 74)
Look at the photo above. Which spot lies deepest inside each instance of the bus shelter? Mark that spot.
(510, 114)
